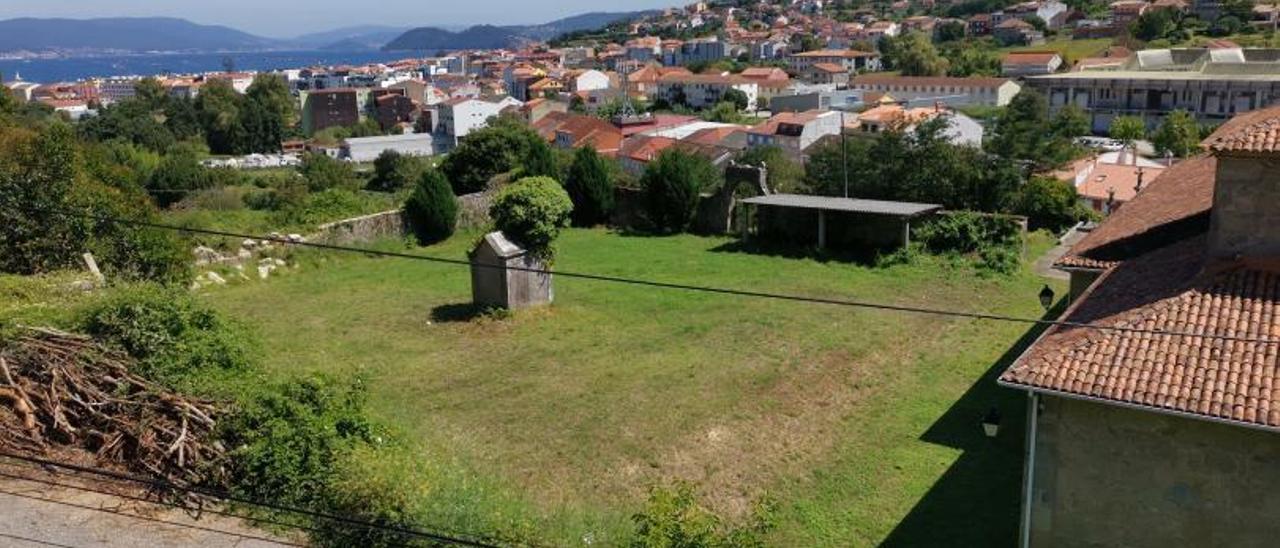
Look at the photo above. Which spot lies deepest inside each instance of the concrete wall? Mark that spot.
(1245, 215)
(473, 212)
(1111, 476)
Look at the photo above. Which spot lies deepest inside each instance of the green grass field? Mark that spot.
(1071, 50)
(863, 424)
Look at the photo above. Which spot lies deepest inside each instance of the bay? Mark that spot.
(77, 68)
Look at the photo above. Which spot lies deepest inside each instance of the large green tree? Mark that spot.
(1178, 134)
(913, 54)
(590, 188)
(1127, 130)
(482, 154)
(673, 185)
(220, 108)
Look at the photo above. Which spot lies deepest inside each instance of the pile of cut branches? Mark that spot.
(68, 390)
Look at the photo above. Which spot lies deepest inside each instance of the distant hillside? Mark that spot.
(363, 37)
(489, 36)
(130, 34)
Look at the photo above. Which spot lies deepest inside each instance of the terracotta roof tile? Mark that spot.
(1255, 132)
(890, 79)
(1169, 289)
(1175, 203)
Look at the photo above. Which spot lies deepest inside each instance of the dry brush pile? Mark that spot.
(67, 390)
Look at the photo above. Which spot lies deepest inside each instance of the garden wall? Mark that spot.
(473, 212)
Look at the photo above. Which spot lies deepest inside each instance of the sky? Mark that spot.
(288, 18)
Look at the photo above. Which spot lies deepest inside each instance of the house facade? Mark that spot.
(1161, 426)
(704, 90)
(996, 92)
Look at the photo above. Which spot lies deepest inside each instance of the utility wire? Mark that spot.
(450, 538)
(178, 505)
(30, 540)
(153, 520)
(678, 286)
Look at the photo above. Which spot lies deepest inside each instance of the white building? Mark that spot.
(795, 132)
(367, 149)
(586, 80)
(116, 89)
(704, 90)
(461, 116)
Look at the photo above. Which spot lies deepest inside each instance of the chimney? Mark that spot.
(1138, 187)
(1245, 222)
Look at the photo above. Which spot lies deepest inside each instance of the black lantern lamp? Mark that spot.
(991, 423)
(1046, 297)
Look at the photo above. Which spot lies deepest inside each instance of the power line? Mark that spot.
(679, 286)
(177, 505)
(450, 538)
(153, 520)
(30, 540)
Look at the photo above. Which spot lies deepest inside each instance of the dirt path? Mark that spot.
(1044, 264)
(34, 514)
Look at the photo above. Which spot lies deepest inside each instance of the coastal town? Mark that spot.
(725, 274)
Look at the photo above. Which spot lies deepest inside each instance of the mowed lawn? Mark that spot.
(863, 424)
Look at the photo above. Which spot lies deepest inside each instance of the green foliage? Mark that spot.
(589, 188)
(1178, 134)
(287, 441)
(175, 339)
(950, 31)
(1049, 203)
(540, 161)
(784, 174)
(487, 152)
(1024, 132)
(321, 207)
(1127, 129)
(672, 518)
(967, 60)
(995, 239)
(432, 209)
(913, 54)
(531, 212)
(323, 173)
(737, 97)
(45, 197)
(130, 121)
(178, 174)
(673, 184)
(1070, 122)
(393, 171)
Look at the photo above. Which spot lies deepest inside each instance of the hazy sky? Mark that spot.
(286, 18)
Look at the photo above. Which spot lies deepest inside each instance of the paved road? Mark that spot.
(72, 518)
(1044, 264)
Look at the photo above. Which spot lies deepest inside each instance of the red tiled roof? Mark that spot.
(844, 53)
(1180, 196)
(830, 68)
(643, 148)
(890, 79)
(1170, 289)
(1255, 132)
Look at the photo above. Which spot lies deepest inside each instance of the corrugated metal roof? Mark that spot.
(852, 205)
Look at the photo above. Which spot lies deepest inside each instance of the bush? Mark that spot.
(589, 187)
(488, 152)
(287, 440)
(995, 239)
(531, 212)
(175, 339)
(672, 518)
(1050, 203)
(324, 173)
(178, 175)
(322, 207)
(393, 171)
(432, 209)
(673, 185)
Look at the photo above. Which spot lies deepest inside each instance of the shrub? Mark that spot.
(174, 338)
(287, 440)
(432, 209)
(673, 185)
(1049, 203)
(393, 171)
(485, 153)
(178, 175)
(995, 239)
(532, 211)
(324, 173)
(589, 187)
(672, 518)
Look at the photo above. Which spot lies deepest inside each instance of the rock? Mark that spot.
(279, 262)
(249, 243)
(244, 254)
(206, 255)
(296, 238)
(215, 278)
(264, 271)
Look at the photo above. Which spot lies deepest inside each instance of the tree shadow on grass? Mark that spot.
(977, 501)
(457, 312)
(791, 250)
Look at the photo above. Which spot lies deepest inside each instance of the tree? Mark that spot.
(1127, 129)
(219, 108)
(531, 212)
(1020, 130)
(673, 184)
(737, 97)
(324, 173)
(1178, 134)
(972, 61)
(151, 93)
(178, 174)
(950, 31)
(8, 104)
(432, 209)
(1155, 24)
(723, 112)
(783, 174)
(1049, 203)
(393, 171)
(539, 161)
(589, 188)
(487, 152)
(1070, 122)
(914, 55)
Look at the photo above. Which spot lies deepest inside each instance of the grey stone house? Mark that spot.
(1143, 438)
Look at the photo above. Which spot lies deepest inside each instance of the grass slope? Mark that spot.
(863, 423)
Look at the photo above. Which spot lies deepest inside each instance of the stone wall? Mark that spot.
(473, 213)
(1112, 476)
(1244, 208)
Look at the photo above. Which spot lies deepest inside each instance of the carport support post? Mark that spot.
(822, 229)
(906, 232)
